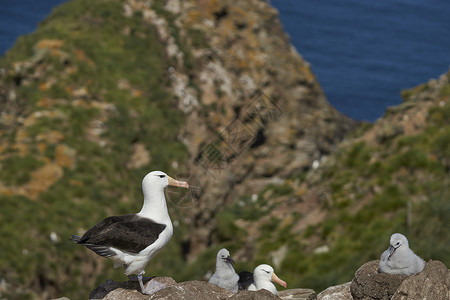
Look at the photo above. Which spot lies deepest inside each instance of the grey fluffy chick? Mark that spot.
(225, 275)
(399, 259)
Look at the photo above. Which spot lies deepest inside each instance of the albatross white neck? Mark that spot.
(155, 207)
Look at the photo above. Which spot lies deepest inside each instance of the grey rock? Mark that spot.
(432, 283)
(298, 294)
(121, 293)
(127, 289)
(192, 290)
(389, 131)
(255, 295)
(337, 292)
(188, 290)
(369, 284)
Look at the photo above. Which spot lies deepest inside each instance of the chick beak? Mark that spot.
(391, 251)
(278, 280)
(230, 260)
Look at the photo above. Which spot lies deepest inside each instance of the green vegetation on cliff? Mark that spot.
(377, 183)
(88, 110)
(94, 81)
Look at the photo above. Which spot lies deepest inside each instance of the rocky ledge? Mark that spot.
(166, 288)
(432, 283)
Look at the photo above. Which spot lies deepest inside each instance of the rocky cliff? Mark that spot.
(104, 92)
(211, 92)
(432, 283)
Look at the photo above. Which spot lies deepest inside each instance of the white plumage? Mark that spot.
(263, 275)
(133, 240)
(225, 275)
(399, 259)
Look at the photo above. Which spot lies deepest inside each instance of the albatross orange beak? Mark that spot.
(174, 182)
(278, 280)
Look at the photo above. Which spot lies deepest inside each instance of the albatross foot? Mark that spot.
(153, 286)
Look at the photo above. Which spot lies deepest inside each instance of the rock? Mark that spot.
(51, 137)
(298, 294)
(192, 290)
(259, 124)
(188, 290)
(65, 156)
(337, 292)
(126, 289)
(254, 295)
(389, 131)
(140, 157)
(369, 284)
(42, 179)
(432, 283)
(49, 44)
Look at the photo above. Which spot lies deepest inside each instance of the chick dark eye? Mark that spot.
(162, 176)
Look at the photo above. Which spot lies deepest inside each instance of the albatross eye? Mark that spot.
(162, 176)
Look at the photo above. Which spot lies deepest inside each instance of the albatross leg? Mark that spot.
(139, 278)
(141, 283)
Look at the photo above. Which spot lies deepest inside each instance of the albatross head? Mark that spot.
(224, 258)
(158, 179)
(397, 240)
(264, 273)
(153, 185)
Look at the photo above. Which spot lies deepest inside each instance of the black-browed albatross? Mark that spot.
(263, 275)
(133, 240)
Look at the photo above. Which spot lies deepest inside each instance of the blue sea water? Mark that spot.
(363, 52)
(18, 17)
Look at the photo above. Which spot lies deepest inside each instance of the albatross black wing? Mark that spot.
(128, 233)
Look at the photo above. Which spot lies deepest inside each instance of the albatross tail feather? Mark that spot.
(75, 238)
(101, 250)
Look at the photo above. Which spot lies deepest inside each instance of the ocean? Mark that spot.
(362, 52)
(18, 17)
(365, 52)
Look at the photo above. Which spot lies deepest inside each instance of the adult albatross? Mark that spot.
(263, 275)
(133, 240)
